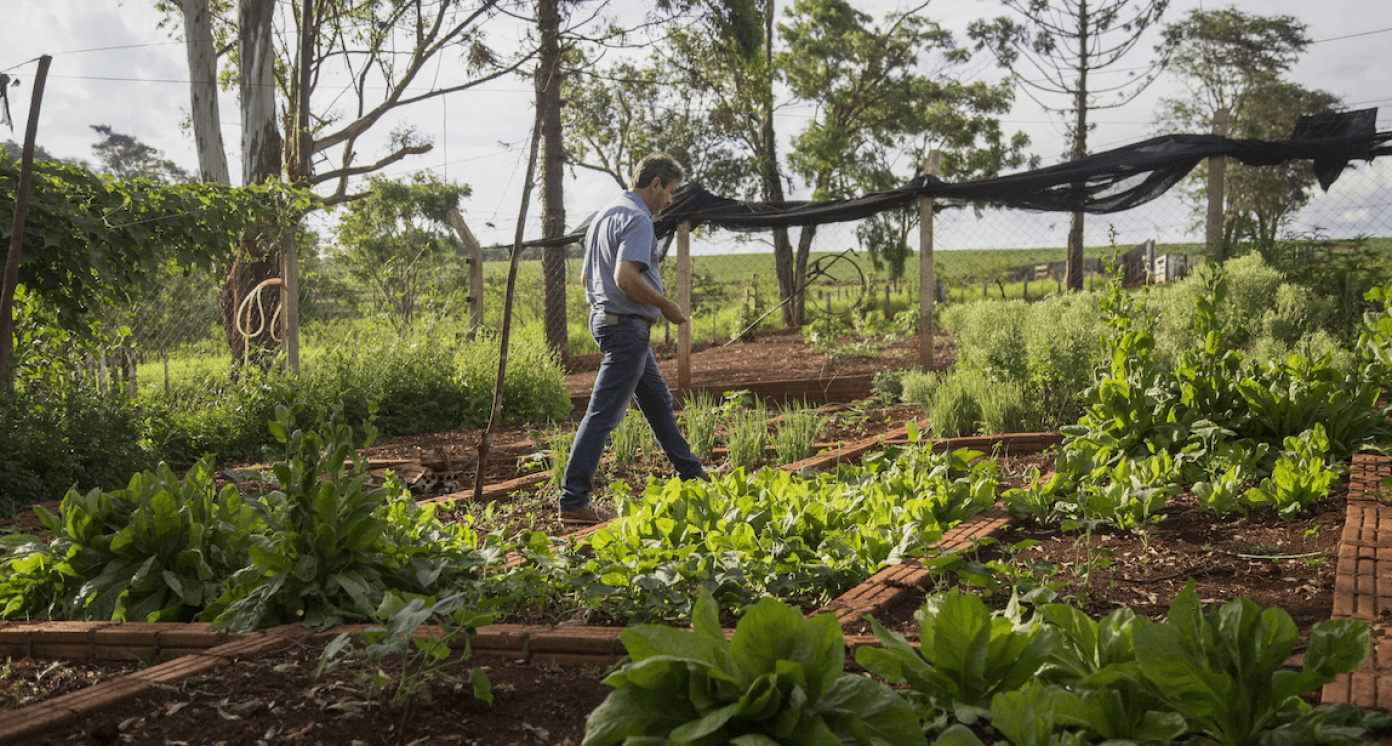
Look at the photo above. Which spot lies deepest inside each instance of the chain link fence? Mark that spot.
(979, 252)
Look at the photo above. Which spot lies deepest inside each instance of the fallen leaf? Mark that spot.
(175, 708)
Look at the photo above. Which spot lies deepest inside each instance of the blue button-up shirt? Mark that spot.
(621, 232)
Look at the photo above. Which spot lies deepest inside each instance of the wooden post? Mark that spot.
(26, 175)
(290, 298)
(128, 371)
(684, 300)
(473, 256)
(1217, 166)
(926, 283)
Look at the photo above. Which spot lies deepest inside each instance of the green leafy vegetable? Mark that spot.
(778, 680)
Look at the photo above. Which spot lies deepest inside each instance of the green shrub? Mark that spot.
(918, 387)
(424, 380)
(968, 402)
(955, 408)
(50, 444)
(989, 335)
(1046, 351)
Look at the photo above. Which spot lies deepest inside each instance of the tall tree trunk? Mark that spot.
(258, 256)
(299, 145)
(804, 250)
(1074, 278)
(548, 94)
(203, 91)
(783, 261)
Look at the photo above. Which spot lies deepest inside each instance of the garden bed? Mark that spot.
(276, 697)
(1275, 562)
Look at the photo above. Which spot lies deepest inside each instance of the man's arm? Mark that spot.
(629, 277)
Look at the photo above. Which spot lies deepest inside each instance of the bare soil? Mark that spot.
(277, 699)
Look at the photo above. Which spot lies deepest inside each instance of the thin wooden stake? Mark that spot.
(486, 442)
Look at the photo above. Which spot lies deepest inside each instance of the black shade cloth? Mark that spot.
(1111, 181)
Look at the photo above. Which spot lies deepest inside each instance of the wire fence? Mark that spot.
(979, 252)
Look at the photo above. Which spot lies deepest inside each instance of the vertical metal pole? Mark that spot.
(1217, 167)
(926, 283)
(684, 300)
(26, 175)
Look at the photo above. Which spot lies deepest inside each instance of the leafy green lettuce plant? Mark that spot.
(779, 679)
(1224, 671)
(966, 656)
(744, 536)
(1300, 476)
(334, 546)
(156, 551)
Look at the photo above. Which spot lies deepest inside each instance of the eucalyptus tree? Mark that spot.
(881, 95)
(1054, 48)
(342, 70)
(1232, 61)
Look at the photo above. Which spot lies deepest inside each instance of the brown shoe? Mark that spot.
(586, 516)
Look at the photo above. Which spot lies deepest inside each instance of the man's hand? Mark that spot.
(673, 313)
(629, 277)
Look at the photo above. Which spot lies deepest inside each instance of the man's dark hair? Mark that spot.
(659, 166)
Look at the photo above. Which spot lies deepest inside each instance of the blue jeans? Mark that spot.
(627, 372)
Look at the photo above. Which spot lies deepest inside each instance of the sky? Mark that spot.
(114, 65)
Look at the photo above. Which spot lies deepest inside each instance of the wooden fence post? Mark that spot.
(1217, 166)
(473, 256)
(290, 297)
(684, 300)
(926, 283)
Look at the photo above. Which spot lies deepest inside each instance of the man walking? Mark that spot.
(626, 298)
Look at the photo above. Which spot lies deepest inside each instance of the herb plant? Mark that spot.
(424, 655)
(1224, 670)
(333, 547)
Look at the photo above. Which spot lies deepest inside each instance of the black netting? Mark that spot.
(1112, 181)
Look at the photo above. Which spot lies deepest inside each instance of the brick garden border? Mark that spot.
(1363, 583)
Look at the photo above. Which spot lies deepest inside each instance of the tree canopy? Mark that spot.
(883, 97)
(1054, 50)
(393, 235)
(1234, 62)
(125, 157)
